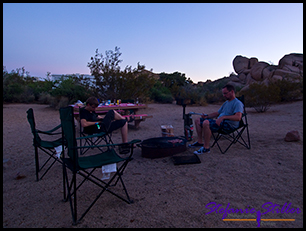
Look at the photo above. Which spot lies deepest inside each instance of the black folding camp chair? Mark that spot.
(93, 140)
(44, 145)
(235, 135)
(85, 166)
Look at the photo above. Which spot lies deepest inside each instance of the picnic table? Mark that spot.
(125, 109)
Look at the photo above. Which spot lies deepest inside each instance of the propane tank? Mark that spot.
(188, 127)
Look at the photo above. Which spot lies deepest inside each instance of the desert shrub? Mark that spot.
(161, 94)
(13, 86)
(261, 96)
(45, 98)
(202, 101)
(27, 95)
(70, 88)
(289, 90)
(214, 97)
(59, 101)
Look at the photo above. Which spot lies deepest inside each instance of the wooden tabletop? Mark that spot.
(122, 106)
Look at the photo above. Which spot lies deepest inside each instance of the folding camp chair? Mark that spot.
(44, 145)
(236, 134)
(93, 140)
(85, 166)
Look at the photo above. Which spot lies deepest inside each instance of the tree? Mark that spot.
(174, 82)
(106, 71)
(71, 88)
(113, 83)
(13, 85)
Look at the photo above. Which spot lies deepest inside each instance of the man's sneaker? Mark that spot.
(195, 144)
(201, 151)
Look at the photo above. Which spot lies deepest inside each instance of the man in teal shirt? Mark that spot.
(228, 117)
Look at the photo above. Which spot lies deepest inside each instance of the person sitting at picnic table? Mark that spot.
(228, 117)
(94, 123)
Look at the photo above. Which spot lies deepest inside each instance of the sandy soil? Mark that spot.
(164, 195)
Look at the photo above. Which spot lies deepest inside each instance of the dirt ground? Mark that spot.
(164, 194)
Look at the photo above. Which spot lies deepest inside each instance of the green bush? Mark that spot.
(289, 90)
(27, 96)
(261, 96)
(59, 101)
(70, 89)
(13, 87)
(45, 98)
(161, 94)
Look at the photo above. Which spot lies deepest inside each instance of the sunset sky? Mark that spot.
(197, 39)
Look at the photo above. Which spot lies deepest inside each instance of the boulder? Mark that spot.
(288, 74)
(268, 71)
(249, 79)
(242, 77)
(275, 78)
(246, 71)
(234, 78)
(252, 62)
(293, 59)
(257, 70)
(291, 68)
(292, 136)
(240, 63)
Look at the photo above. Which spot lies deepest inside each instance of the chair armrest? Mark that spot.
(51, 132)
(110, 145)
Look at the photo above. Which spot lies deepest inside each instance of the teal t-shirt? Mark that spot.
(230, 108)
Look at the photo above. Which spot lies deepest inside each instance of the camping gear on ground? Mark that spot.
(167, 130)
(178, 160)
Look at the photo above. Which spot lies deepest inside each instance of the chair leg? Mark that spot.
(68, 195)
(97, 181)
(75, 198)
(64, 182)
(232, 138)
(36, 163)
(48, 167)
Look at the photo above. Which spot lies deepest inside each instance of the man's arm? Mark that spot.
(85, 123)
(236, 117)
(210, 115)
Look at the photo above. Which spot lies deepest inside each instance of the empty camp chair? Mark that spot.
(84, 166)
(239, 135)
(47, 161)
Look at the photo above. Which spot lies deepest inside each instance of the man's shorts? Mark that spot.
(214, 127)
(108, 124)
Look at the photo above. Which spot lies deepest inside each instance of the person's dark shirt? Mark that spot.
(91, 117)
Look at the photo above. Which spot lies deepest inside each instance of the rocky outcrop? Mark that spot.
(251, 70)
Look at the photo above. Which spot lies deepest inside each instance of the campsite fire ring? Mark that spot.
(162, 146)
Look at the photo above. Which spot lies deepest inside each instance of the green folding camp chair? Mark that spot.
(85, 166)
(44, 145)
(236, 135)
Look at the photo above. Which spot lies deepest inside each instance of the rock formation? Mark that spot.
(250, 70)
